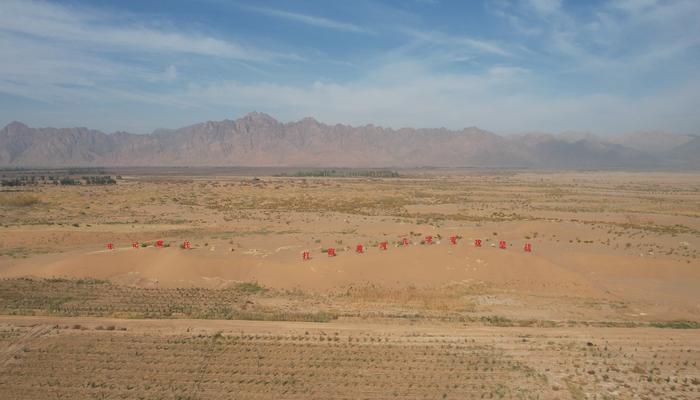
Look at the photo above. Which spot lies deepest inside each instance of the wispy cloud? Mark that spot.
(617, 37)
(310, 20)
(501, 99)
(439, 38)
(97, 29)
(634, 5)
(530, 65)
(545, 6)
(62, 54)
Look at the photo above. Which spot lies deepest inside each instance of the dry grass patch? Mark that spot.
(448, 298)
(14, 199)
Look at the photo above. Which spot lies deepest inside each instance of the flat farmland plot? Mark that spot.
(142, 359)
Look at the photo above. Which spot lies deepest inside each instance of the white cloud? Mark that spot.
(506, 72)
(502, 99)
(633, 5)
(617, 38)
(66, 55)
(439, 38)
(76, 56)
(310, 20)
(86, 27)
(170, 72)
(50, 74)
(545, 6)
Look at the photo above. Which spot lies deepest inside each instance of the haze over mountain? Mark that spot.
(257, 139)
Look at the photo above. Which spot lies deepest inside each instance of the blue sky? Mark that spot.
(605, 67)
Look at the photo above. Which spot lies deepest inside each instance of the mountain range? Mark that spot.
(257, 139)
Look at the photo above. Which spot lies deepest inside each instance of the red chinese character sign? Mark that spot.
(404, 242)
(186, 244)
(306, 255)
(360, 249)
(135, 245)
(383, 245)
(453, 239)
(429, 240)
(528, 248)
(477, 243)
(159, 244)
(331, 252)
(110, 246)
(502, 244)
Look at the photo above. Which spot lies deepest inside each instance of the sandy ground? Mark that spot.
(661, 288)
(626, 237)
(609, 248)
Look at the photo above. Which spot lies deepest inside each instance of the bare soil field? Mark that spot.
(192, 359)
(607, 304)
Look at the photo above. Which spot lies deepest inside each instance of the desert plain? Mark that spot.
(605, 306)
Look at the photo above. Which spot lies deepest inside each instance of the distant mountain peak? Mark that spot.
(310, 120)
(16, 125)
(257, 139)
(256, 116)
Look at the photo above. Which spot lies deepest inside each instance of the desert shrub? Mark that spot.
(496, 320)
(678, 324)
(250, 287)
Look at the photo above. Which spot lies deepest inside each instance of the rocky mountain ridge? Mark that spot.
(257, 139)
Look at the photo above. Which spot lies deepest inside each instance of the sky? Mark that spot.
(508, 66)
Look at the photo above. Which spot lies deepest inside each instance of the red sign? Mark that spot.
(159, 243)
(360, 249)
(453, 239)
(135, 245)
(331, 252)
(528, 247)
(186, 244)
(429, 239)
(382, 245)
(110, 246)
(477, 243)
(306, 255)
(501, 244)
(404, 242)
